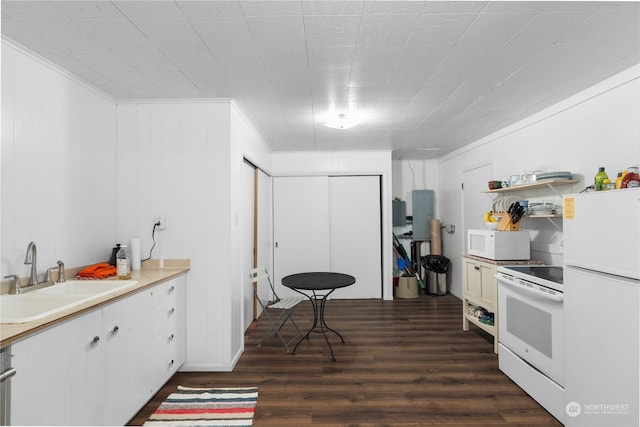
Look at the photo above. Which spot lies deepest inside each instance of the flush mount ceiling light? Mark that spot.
(344, 120)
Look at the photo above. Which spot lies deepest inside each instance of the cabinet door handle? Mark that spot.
(171, 289)
(172, 311)
(115, 330)
(171, 363)
(475, 267)
(171, 337)
(95, 340)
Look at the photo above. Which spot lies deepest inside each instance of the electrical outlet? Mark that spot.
(161, 220)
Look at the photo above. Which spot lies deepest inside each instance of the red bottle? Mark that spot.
(631, 179)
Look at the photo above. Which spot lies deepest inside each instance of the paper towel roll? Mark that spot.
(436, 242)
(135, 253)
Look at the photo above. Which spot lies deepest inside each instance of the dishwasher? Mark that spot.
(6, 372)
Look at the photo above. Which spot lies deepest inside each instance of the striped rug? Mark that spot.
(206, 407)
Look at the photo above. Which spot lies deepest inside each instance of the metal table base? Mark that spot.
(319, 324)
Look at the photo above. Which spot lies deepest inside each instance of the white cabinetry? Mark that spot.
(480, 288)
(84, 366)
(53, 368)
(125, 327)
(168, 332)
(101, 367)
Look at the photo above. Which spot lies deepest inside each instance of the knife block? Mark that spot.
(506, 225)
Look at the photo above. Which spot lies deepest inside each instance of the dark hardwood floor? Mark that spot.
(404, 363)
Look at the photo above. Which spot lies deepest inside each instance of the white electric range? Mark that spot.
(531, 329)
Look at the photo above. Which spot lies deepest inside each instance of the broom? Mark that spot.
(402, 253)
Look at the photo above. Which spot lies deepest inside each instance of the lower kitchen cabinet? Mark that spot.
(51, 374)
(101, 367)
(480, 289)
(125, 326)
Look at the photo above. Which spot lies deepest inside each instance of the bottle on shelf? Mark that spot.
(123, 263)
(631, 179)
(619, 178)
(599, 178)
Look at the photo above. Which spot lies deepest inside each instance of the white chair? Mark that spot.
(277, 311)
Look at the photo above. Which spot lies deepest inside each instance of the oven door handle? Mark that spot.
(558, 297)
(8, 373)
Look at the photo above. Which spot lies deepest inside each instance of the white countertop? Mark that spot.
(150, 275)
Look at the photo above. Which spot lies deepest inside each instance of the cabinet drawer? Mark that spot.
(165, 306)
(163, 316)
(166, 356)
(164, 292)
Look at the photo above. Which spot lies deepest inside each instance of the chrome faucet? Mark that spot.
(32, 258)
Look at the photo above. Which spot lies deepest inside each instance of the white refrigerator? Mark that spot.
(601, 299)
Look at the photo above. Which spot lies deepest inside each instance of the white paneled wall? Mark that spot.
(58, 166)
(174, 161)
(597, 127)
(184, 160)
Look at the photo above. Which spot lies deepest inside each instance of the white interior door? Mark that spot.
(354, 206)
(475, 203)
(300, 227)
(264, 232)
(248, 196)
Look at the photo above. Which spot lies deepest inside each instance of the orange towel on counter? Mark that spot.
(97, 271)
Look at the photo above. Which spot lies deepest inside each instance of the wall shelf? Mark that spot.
(546, 183)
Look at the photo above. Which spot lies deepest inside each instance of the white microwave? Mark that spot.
(499, 245)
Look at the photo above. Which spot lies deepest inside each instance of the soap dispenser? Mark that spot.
(114, 252)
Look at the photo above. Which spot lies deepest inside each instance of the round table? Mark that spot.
(318, 283)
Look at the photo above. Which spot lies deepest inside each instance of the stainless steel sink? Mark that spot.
(44, 302)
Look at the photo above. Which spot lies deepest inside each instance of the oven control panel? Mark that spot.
(531, 287)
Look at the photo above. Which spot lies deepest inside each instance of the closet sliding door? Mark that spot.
(354, 231)
(300, 227)
(329, 224)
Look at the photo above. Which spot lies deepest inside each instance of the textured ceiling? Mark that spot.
(427, 75)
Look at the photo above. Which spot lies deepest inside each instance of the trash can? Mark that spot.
(437, 267)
